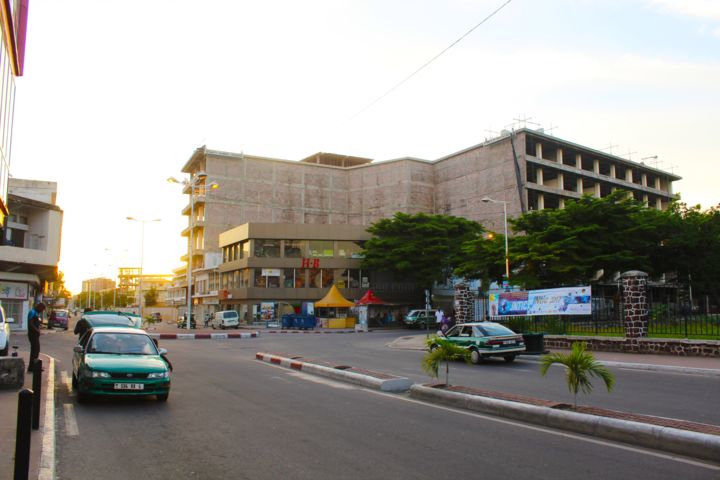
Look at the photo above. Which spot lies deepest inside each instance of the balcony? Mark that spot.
(199, 199)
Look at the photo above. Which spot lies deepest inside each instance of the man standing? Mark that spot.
(34, 332)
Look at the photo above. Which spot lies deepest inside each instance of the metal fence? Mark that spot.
(664, 321)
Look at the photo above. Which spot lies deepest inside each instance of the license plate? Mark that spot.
(129, 386)
(509, 342)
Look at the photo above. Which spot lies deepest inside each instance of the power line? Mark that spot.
(431, 60)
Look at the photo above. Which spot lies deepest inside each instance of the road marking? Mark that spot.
(322, 381)
(71, 427)
(65, 380)
(666, 456)
(313, 378)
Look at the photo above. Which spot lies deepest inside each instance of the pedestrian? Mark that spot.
(439, 316)
(34, 332)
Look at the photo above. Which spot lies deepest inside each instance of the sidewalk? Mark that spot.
(42, 440)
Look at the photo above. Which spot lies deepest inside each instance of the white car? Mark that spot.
(226, 319)
(4, 333)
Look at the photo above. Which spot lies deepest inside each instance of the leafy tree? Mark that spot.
(579, 365)
(422, 248)
(589, 236)
(484, 259)
(442, 350)
(151, 297)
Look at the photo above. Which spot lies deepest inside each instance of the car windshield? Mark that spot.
(122, 343)
(491, 331)
(61, 314)
(111, 320)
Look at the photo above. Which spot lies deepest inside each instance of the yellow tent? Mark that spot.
(333, 299)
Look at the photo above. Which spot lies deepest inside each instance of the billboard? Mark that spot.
(553, 301)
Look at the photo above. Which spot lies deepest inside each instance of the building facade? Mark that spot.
(29, 246)
(525, 169)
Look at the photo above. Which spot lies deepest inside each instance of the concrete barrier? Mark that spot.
(383, 382)
(682, 442)
(12, 372)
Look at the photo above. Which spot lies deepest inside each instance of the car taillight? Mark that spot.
(495, 342)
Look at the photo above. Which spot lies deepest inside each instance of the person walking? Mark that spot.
(34, 332)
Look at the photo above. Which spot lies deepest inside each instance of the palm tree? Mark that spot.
(579, 365)
(442, 350)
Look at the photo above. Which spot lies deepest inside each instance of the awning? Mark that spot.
(370, 299)
(333, 299)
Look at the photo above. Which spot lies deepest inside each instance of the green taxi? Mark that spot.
(485, 339)
(119, 361)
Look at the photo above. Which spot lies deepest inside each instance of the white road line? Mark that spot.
(65, 380)
(71, 427)
(322, 380)
(666, 456)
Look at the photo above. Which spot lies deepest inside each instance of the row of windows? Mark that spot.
(273, 248)
(294, 278)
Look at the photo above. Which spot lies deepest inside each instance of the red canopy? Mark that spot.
(370, 299)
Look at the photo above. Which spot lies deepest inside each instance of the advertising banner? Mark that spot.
(553, 301)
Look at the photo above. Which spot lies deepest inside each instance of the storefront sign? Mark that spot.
(270, 272)
(310, 263)
(554, 301)
(13, 291)
(267, 311)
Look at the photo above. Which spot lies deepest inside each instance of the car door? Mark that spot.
(79, 357)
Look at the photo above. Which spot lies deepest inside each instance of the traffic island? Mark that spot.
(684, 438)
(366, 378)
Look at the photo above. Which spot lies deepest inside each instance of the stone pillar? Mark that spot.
(578, 161)
(635, 308)
(596, 166)
(613, 171)
(538, 150)
(597, 192)
(579, 188)
(463, 304)
(540, 180)
(559, 155)
(541, 201)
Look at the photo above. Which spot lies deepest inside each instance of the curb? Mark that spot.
(47, 456)
(382, 382)
(318, 331)
(202, 336)
(692, 444)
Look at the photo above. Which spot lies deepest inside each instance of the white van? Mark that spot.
(225, 319)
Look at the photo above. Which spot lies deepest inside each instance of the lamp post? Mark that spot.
(195, 183)
(142, 258)
(507, 256)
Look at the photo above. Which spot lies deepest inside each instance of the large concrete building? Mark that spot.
(526, 169)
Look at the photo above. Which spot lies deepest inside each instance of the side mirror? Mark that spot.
(10, 320)
(78, 349)
(162, 351)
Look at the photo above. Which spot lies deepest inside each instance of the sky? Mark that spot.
(116, 95)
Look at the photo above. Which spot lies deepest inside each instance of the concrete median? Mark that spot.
(682, 442)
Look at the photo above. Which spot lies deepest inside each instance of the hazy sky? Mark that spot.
(117, 94)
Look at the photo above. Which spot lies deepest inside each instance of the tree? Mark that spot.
(442, 350)
(590, 239)
(151, 297)
(579, 365)
(422, 248)
(484, 259)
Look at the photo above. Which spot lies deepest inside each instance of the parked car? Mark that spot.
(485, 339)
(102, 318)
(225, 319)
(119, 361)
(182, 323)
(4, 333)
(59, 319)
(419, 319)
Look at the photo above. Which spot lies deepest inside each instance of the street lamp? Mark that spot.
(195, 184)
(142, 258)
(507, 257)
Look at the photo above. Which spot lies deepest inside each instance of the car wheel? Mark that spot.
(475, 356)
(509, 358)
(163, 397)
(74, 382)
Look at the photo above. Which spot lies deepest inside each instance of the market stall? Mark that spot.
(333, 310)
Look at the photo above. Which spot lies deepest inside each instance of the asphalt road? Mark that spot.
(230, 416)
